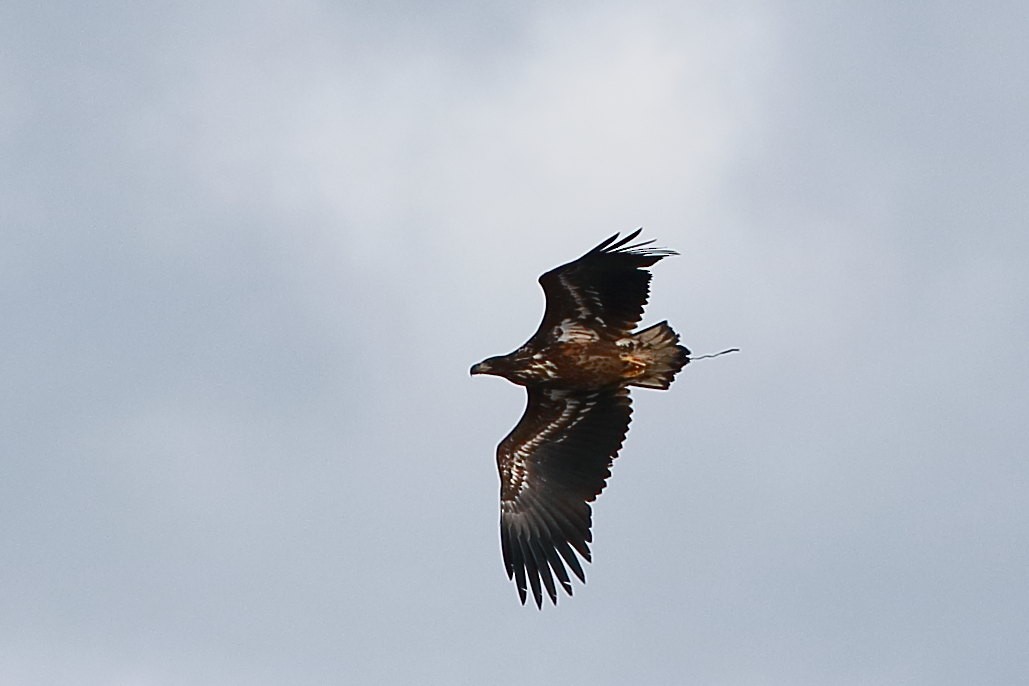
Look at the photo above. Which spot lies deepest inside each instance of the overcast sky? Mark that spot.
(250, 250)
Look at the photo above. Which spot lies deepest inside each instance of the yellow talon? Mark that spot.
(636, 367)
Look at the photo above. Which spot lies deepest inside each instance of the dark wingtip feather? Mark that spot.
(542, 569)
(572, 561)
(616, 245)
(519, 578)
(559, 570)
(540, 565)
(610, 245)
(530, 570)
(619, 245)
(602, 246)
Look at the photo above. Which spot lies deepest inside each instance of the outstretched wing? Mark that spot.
(552, 465)
(605, 289)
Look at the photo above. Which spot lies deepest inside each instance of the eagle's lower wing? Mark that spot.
(552, 465)
(606, 288)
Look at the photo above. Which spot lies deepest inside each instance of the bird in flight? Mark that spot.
(577, 369)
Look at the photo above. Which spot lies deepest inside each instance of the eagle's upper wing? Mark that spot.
(606, 288)
(552, 465)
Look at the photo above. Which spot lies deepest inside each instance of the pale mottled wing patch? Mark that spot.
(552, 465)
(574, 331)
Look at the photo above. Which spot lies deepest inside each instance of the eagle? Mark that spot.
(576, 369)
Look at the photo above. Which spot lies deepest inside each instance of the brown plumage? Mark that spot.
(576, 369)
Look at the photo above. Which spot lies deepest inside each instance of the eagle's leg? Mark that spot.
(634, 366)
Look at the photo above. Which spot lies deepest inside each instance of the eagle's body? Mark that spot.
(576, 369)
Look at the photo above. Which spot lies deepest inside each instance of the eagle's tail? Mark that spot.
(659, 351)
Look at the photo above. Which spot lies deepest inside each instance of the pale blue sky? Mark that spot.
(250, 251)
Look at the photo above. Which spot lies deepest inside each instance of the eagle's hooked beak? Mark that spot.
(480, 368)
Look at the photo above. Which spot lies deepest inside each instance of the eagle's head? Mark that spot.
(491, 365)
(512, 367)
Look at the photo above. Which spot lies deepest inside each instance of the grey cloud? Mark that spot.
(251, 251)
